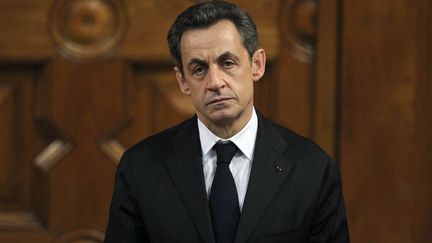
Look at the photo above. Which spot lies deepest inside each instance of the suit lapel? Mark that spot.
(268, 173)
(185, 167)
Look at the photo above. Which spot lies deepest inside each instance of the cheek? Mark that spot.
(246, 90)
(198, 93)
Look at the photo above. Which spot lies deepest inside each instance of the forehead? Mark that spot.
(216, 39)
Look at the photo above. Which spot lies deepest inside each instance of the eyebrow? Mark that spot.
(224, 56)
(197, 61)
(228, 55)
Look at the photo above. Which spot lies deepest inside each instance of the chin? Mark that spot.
(224, 116)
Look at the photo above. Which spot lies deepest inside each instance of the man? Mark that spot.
(182, 186)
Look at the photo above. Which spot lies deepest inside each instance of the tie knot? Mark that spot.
(225, 152)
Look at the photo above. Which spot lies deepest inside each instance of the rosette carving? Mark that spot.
(87, 29)
(299, 27)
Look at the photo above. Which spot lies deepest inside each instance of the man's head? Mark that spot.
(206, 13)
(214, 65)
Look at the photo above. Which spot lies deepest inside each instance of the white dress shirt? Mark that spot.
(240, 165)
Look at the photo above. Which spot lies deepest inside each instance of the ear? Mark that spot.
(184, 87)
(258, 64)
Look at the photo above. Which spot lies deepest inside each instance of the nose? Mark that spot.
(215, 79)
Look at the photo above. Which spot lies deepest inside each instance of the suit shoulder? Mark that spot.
(301, 145)
(159, 142)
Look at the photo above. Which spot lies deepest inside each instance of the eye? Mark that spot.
(199, 70)
(228, 63)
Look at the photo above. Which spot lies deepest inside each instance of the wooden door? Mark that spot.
(81, 80)
(386, 115)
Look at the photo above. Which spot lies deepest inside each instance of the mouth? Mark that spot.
(218, 100)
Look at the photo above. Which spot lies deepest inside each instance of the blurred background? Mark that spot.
(81, 80)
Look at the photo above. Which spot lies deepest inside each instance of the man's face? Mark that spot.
(218, 74)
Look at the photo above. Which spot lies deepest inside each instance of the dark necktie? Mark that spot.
(223, 200)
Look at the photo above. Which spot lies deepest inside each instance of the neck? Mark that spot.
(228, 128)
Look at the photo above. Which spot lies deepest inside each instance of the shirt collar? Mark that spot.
(244, 139)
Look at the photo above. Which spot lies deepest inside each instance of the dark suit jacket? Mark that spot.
(160, 194)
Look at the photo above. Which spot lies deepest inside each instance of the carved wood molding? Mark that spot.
(20, 190)
(298, 27)
(81, 235)
(110, 146)
(59, 146)
(160, 86)
(87, 29)
(19, 220)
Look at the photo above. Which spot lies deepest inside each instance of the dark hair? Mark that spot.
(206, 13)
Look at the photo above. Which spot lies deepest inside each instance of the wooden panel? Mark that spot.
(325, 98)
(86, 102)
(154, 101)
(293, 94)
(7, 156)
(21, 20)
(26, 236)
(295, 65)
(386, 115)
(18, 199)
(264, 91)
(423, 134)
